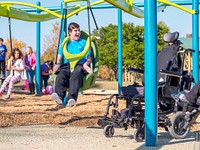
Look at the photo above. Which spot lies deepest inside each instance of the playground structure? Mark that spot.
(150, 36)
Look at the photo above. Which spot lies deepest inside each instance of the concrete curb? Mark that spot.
(101, 92)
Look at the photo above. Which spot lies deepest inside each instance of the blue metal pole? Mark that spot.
(62, 36)
(63, 28)
(38, 76)
(150, 36)
(195, 40)
(119, 50)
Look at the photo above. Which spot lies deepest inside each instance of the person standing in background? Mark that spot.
(3, 51)
(29, 64)
(46, 68)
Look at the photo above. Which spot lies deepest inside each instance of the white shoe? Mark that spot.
(56, 98)
(71, 103)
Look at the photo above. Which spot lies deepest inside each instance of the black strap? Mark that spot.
(63, 14)
(9, 23)
(89, 29)
(95, 22)
(12, 64)
(65, 22)
(88, 13)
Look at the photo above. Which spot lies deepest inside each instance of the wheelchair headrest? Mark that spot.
(171, 37)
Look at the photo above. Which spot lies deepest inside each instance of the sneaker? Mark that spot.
(71, 103)
(56, 98)
(7, 97)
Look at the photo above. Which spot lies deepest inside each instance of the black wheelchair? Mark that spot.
(132, 114)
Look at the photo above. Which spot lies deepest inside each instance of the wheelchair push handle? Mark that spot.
(189, 50)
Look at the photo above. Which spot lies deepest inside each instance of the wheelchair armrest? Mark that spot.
(130, 69)
(171, 73)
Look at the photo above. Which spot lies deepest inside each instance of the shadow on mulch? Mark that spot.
(77, 118)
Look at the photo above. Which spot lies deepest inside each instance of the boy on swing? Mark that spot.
(65, 78)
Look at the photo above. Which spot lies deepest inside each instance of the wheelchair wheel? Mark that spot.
(176, 129)
(108, 130)
(139, 135)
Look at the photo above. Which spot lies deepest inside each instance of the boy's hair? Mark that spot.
(72, 26)
(1, 39)
(14, 50)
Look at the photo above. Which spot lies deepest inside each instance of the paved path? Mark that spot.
(47, 137)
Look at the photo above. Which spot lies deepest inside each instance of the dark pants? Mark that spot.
(194, 93)
(44, 79)
(2, 67)
(72, 80)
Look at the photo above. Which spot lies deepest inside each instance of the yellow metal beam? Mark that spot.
(33, 6)
(23, 15)
(177, 6)
(127, 6)
(7, 11)
(84, 7)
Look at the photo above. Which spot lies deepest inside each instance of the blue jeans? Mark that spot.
(30, 75)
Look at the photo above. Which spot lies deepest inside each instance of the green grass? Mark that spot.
(108, 85)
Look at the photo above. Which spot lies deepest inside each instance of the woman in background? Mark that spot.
(29, 64)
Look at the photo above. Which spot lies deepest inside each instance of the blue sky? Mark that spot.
(175, 19)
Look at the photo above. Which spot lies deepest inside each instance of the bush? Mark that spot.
(105, 73)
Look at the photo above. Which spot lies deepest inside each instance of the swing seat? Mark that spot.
(89, 79)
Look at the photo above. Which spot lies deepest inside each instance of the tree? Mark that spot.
(162, 29)
(107, 46)
(133, 45)
(51, 43)
(15, 43)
